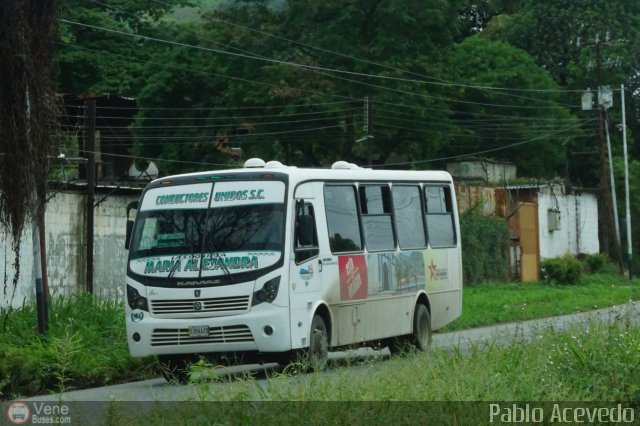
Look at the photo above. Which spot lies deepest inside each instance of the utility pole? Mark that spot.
(614, 200)
(367, 126)
(39, 260)
(43, 268)
(91, 175)
(605, 189)
(626, 182)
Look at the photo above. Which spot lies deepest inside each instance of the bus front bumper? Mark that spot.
(263, 329)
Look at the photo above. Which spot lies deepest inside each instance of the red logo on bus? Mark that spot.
(353, 277)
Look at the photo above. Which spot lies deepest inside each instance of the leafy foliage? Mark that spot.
(549, 31)
(507, 116)
(597, 263)
(286, 80)
(97, 61)
(301, 71)
(562, 270)
(27, 111)
(302, 77)
(85, 346)
(583, 44)
(485, 255)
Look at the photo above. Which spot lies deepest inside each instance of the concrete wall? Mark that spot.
(578, 231)
(66, 249)
(484, 171)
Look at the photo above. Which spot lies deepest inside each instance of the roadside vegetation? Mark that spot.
(495, 303)
(86, 344)
(594, 363)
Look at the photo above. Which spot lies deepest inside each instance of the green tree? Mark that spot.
(323, 53)
(27, 111)
(476, 15)
(535, 125)
(561, 37)
(91, 60)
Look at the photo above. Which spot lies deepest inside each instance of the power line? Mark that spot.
(235, 125)
(306, 67)
(245, 117)
(165, 65)
(487, 123)
(157, 159)
(483, 151)
(222, 108)
(436, 80)
(226, 136)
(439, 81)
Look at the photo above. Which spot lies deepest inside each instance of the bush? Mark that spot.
(562, 270)
(85, 346)
(485, 251)
(597, 263)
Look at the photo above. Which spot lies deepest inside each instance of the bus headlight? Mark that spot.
(135, 300)
(268, 292)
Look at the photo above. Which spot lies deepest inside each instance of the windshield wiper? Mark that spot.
(174, 267)
(215, 253)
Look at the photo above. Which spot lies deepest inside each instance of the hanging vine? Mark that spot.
(27, 115)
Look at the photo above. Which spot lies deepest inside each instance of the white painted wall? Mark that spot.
(66, 251)
(578, 231)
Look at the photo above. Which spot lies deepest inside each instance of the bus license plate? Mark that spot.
(199, 331)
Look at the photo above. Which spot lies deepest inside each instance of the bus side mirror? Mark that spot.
(305, 230)
(127, 239)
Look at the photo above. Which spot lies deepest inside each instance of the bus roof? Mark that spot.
(339, 171)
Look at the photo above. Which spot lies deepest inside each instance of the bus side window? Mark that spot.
(306, 238)
(341, 207)
(440, 216)
(409, 218)
(375, 204)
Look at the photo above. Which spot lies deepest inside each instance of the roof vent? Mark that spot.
(273, 164)
(341, 165)
(254, 163)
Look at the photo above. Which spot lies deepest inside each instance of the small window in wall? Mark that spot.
(553, 220)
(375, 201)
(440, 216)
(306, 238)
(341, 209)
(407, 208)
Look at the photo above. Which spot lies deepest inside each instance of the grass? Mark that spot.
(594, 363)
(85, 346)
(489, 304)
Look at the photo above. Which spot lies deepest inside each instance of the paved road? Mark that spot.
(159, 390)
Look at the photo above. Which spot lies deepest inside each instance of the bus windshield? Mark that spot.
(215, 231)
(206, 242)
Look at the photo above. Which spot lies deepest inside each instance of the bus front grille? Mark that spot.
(217, 304)
(180, 336)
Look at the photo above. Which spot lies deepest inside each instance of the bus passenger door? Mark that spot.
(305, 265)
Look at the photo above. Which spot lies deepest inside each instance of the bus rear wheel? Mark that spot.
(421, 337)
(175, 368)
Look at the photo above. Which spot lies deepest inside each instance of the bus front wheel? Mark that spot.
(318, 352)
